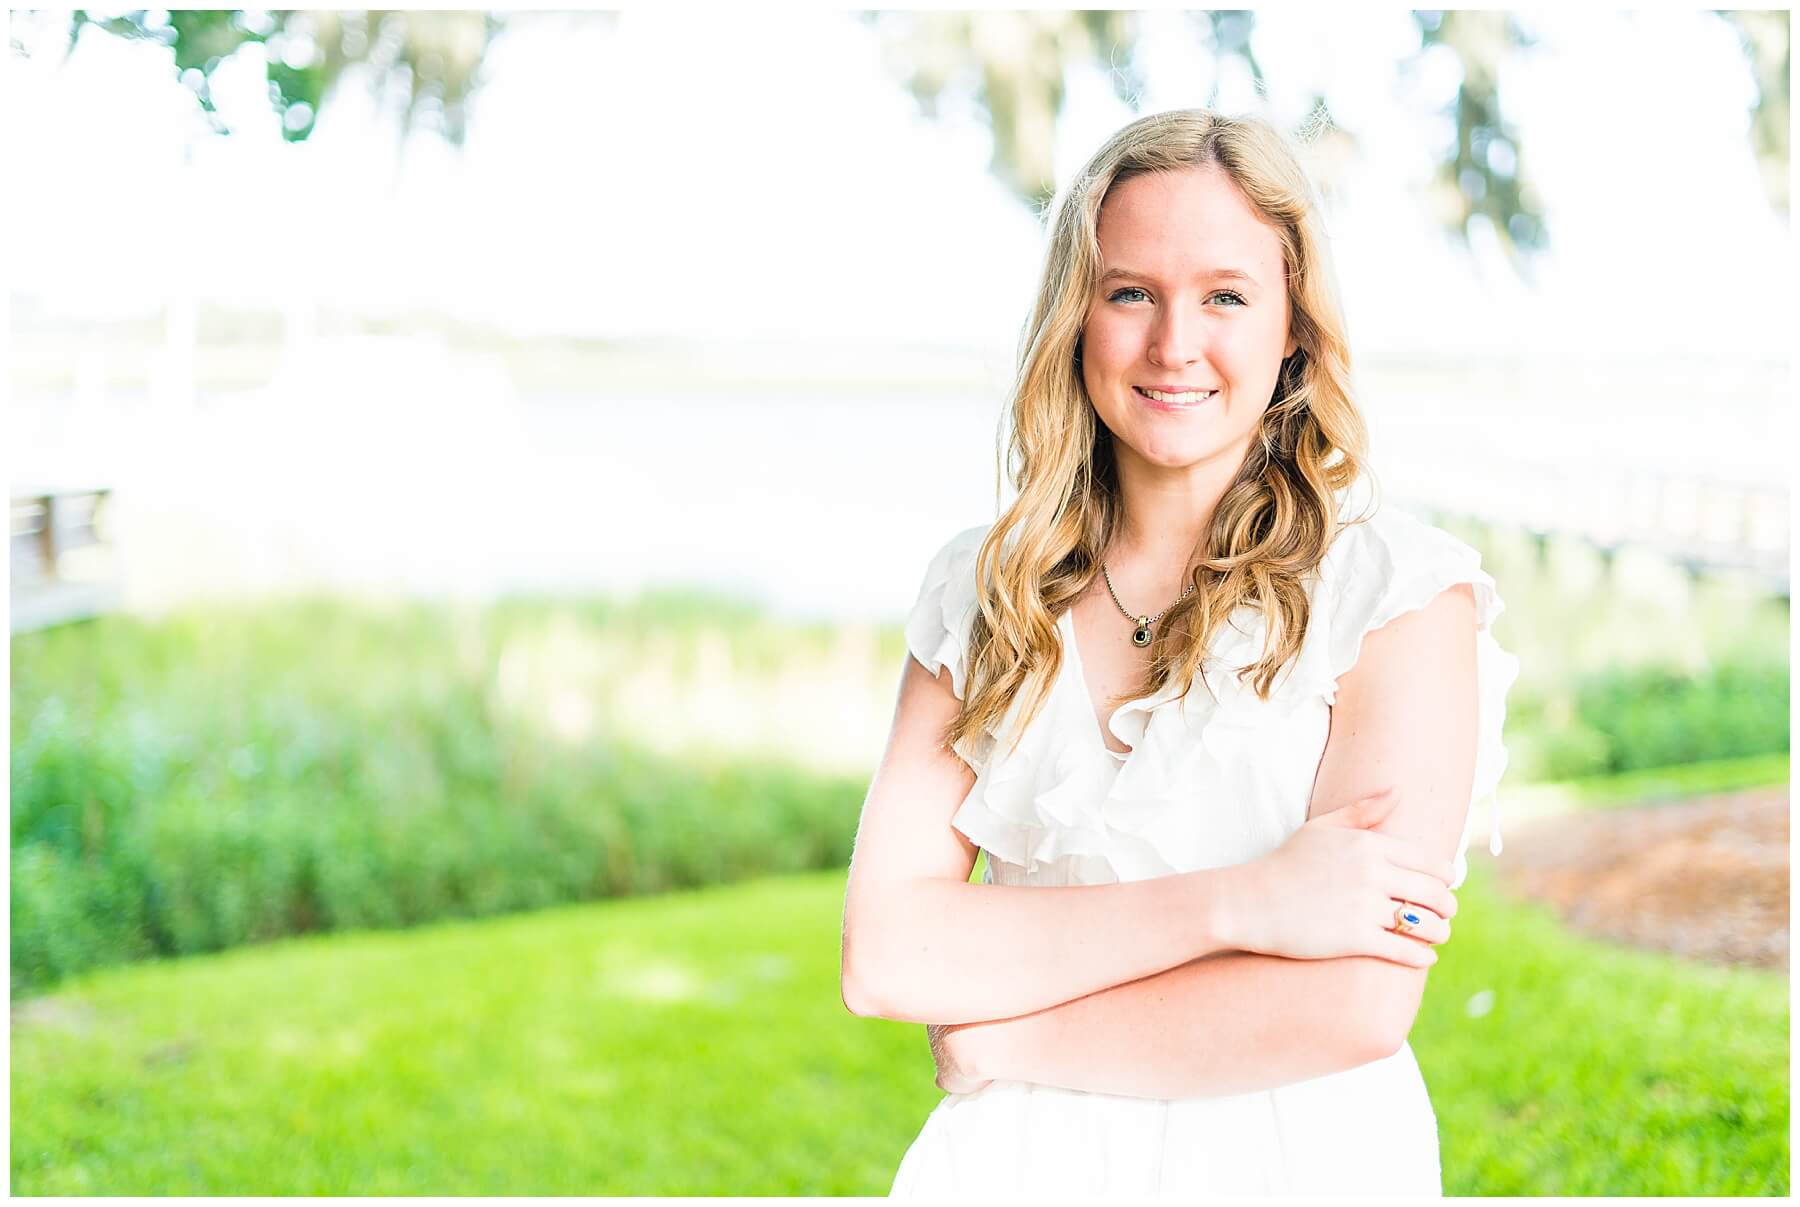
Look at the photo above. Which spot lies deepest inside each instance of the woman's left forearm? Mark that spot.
(1230, 1023)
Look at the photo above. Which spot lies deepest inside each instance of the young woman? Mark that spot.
(1216, 718)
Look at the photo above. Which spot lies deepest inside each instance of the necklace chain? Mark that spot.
(1142, 634)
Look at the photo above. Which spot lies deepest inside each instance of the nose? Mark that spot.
(1175, 339)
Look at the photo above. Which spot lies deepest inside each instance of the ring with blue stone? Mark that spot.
(1405, 918)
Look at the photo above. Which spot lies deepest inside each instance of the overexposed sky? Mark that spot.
(762, 175)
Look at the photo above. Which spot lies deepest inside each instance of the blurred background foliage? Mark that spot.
(426, 65)
(236, 774)
(1012, 66)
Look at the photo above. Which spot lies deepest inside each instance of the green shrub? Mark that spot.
(1658, 717)
(1631, 718)
(232, 777)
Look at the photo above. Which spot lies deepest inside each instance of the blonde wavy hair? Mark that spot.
(1273, 525)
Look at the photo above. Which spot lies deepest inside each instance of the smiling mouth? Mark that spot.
(1185, 398)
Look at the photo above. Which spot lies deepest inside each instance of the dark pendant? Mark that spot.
(1141, 635)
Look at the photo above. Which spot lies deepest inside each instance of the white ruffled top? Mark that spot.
(1208, 782)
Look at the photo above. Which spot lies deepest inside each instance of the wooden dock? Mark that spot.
(64, 562)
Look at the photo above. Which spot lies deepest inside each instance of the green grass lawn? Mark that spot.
(695, 1044)
(1653, 786)
(1564, 1066)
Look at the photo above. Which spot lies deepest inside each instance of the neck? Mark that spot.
(1164, 517)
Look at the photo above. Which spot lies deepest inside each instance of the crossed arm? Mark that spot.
(1235, 1022)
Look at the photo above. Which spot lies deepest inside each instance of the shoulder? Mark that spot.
(950, 573)
(961, 548)
(1378, 536)
(937, 628)
(1387, 562)
(1385, 565)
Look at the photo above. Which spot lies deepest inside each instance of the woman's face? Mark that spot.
(1172, 314)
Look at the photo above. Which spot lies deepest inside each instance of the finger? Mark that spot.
(1401, 949)
(1411, 855)
(1429, 929)
(1422, 888)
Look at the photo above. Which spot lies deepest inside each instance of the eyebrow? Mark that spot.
(1211, 274)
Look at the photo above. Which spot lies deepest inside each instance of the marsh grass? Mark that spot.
(238, 772)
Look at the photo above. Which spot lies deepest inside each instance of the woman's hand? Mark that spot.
(1331, 890)
(952, 1048)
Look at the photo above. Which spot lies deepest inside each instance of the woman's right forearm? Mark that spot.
(941, 951)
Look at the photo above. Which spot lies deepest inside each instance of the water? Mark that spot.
(403, 465)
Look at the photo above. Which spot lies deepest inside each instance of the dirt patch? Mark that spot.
(1706, 878)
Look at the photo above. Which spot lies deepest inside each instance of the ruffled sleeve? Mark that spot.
(1392, 564)
(937, 628)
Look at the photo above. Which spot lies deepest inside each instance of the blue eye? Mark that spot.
(1236, 298)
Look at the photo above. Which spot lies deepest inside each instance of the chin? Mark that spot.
(1174, 450)
(1179, 456)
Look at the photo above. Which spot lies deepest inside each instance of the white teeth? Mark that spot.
(1178, 399)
